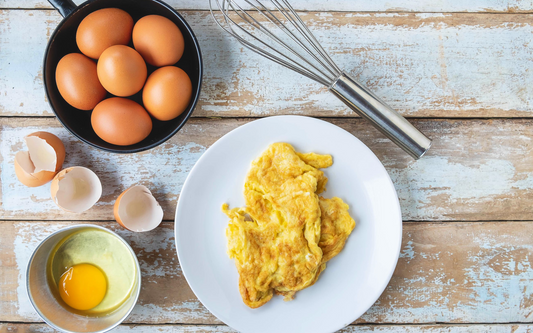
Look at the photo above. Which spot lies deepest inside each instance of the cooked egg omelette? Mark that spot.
(283, 237)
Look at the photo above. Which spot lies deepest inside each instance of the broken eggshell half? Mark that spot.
(137, 210)
(76, 189)
(42, 161)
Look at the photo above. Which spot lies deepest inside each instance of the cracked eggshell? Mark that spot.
(42, 161)
(76, 189)
(136, 209)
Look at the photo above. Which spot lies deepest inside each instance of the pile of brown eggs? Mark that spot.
(121, 70)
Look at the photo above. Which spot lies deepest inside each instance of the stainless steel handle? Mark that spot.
(382, 116)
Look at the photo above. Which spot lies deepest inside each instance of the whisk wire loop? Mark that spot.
(256, 49)
(313, 39)
(293, 37)
(269, 16)
(294, 19)
(291, 58)
(295, 47)
(274, 20)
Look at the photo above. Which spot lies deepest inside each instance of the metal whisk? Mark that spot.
(273, 29)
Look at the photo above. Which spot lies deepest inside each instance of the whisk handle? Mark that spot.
(382, 116)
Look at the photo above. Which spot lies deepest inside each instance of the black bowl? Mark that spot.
(63, 41)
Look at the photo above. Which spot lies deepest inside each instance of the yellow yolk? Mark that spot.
(83, 286)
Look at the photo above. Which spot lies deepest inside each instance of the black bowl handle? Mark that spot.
(65, 7)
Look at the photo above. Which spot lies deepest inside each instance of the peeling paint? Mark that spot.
(348, 5)
(476, 169)
(188, 311)
(442, 328)
(398, 55)
(447, 272)
(460, 272)
(164, 174)
(452, 182)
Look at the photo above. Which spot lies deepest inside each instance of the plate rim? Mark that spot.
(397, 210)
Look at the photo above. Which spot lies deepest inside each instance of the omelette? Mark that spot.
(283, 237)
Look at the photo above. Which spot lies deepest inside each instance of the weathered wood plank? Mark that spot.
(165, 295)
(476, 169)
(506, 6)
(129, 328)
(424, 65)
(447, 272)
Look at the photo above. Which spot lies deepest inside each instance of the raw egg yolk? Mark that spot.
(83, 286)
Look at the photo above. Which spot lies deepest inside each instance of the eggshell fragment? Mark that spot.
(24, 170)
(137, 210)
(76, 189)
(44, 158)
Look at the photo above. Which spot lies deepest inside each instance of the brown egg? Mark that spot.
(78, 82)
(167, 93)
(121, 121)
(121, 70)
(158, 40)
(103, 28)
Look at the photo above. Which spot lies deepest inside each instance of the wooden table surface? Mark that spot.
(461, 70)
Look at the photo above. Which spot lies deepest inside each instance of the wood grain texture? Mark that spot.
(447, 272)
(424, 65)
(476, 169)
(506, 6)
(516, 328)
(427, 59)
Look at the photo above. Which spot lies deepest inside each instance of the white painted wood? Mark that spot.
(476, 170)
(519, 328)
(346, 5)
(447, 272)
(424, 65)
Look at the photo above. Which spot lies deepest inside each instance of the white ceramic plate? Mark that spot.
(352, 281)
